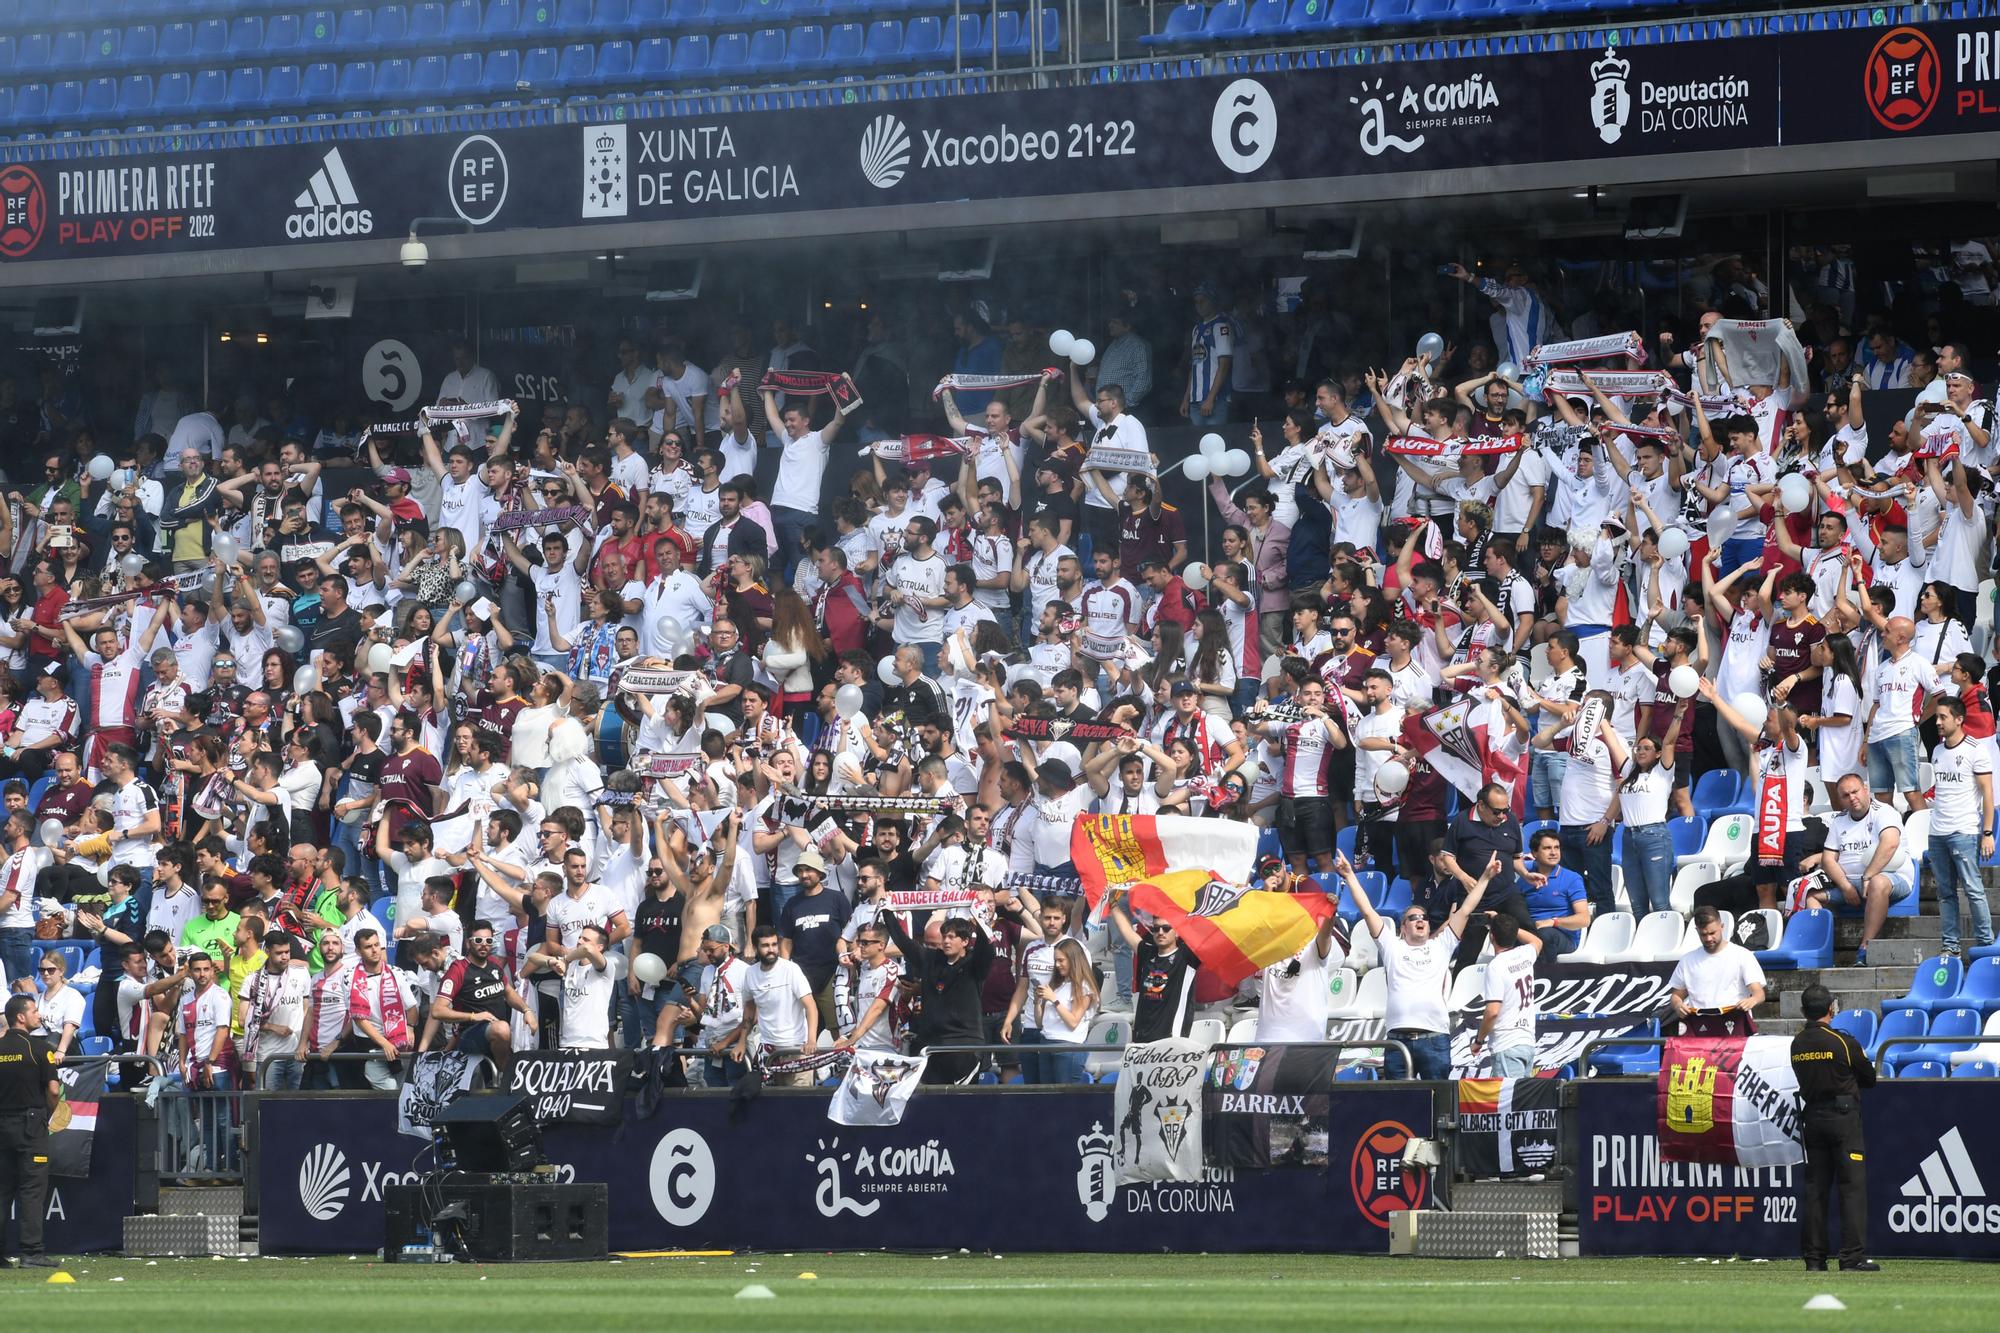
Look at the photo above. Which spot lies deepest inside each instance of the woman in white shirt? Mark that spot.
(1064, 1007)
(532, 724)
(1938, 639)
(1839, 720)
(1213, 670)
(1780, 753)
(1642, 803)
(301, 781)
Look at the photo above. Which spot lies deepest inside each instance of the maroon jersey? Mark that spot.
(405, 787)
(495, 718)
(1791, 651)
(471, 988)
(1663, 710)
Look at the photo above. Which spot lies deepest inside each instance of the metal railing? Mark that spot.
(1583, 1059)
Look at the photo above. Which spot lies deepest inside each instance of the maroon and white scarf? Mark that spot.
(919, 448)
(1580, 351)
(983, 383)
(394, 1024)
(1491, 445)
(920, 900)
(1612, 383)
(833, 384)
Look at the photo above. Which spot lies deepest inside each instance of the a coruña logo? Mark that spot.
(885, 151)
(1691, 1097)
(828, 1197)
(1902, 79)
(1096, 1173)
(1381, 1184)
(1610, 101)
(24, 211)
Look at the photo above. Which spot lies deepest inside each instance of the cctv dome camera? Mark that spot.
(415, 253)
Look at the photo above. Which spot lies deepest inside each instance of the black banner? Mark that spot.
(585, 1087)
(1508, 1126)
(1266, 1106)
(73, 1127)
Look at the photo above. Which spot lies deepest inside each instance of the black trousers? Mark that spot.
(1475, 931)
(24, 1173)
(1832, 1134)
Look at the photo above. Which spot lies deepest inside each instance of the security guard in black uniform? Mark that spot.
(28, 1095)
(1832, 1069)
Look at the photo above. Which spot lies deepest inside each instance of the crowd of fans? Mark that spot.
(495, 731)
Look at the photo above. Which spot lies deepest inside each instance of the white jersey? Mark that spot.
(1418, 978)
(1854, 841)
(1955, 802)
(1510, 979)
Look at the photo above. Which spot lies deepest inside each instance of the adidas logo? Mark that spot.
(1944, 1183)
(328, 206)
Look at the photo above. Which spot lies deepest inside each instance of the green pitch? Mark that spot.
(874, 1292)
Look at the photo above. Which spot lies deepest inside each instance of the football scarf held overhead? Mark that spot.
(1611, 383)
(1235, 931)
(813, 384)
(554, 516)
(1417, 446)
(1060, 729)
(1109, 458)
(1731, 1100)
(1774, 809)
(878, 1085)
(1507, 1126)
(1578, 351)
(919, 448)
(653, 680)
(1116, 850)
(922, 900)
(1159, 1109)
(988, 383)
(1751, 351)
(1491, 446)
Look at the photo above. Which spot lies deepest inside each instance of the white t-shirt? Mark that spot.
(1896, 684)
(1955, 769)
(1510, 979)
(567, 589)
(916, 623)
(1419, 976)
(1840, 747)
(586, 1004)
(780, 993)
(1629, 688)
(1642, 800)
(57, 1012)
(1853, 841)
(800, 469)
(1713, 980)
(1294, 1007)
(1587, 785)
(1511, 514)
(569, 915)
(211, 1018)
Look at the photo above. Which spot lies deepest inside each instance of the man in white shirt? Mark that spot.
(558, 595)
(1896, 683)
(724, 979)
(795, 494)
(1865, 861)
(629, 385)
(1961, 824)
(582, 904)
(1418, 964)
(914, 590)
(1295, 1002)
(468, 381)
(1720, 977)
(272, 1012)
(779, 1014)
(589, 973)
(1507, 1028)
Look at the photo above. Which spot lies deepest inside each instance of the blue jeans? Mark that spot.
(1245, 693)
(1892, 764)
(791, 525)
(1220, 416)
(1955, 862)
(1649, 867)
(721, 1072)
(639, 1015)
(1430, 1052)
(1514, 1062)
(1545, 777)
(17, 956)
(1120, 967)
(1029, 1051)
(284, 1075)
(1593, 862)
(1061, 1064)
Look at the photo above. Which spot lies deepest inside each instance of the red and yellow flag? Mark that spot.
(1111, 851)
(1233, 930)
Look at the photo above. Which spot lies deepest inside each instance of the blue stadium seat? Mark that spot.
(690, 57)
(884, 43)
(1225, 20)
(357, 81)
(32, 56)
(971, 39)
(319, 83)
(96, 1045)
(463, 21)
(1306, 15)
(614, 62)
(135, 95)
(1898, 1023)
(502, 71)
(1383, 13)
(843, 45)
(723, 13)
(211, 93)
(246, 36)
(1347, 13)
(798, 10)
(463, 75)
(923, 40)
(427, 74)
(171, 95)
(66, 100)
(392, 27)
(646, 15)
(502, 18)
(31, 103)
(686, 13)
(66, 50)
(1923, 1069)
(284, 37)
(100, 99)
(1859, 1024)
(1629, 1061)
(1270, 17)
(1981, 988)
(577, 65)
(392, 78)
(319, 35)
(106, 48)
(1935, 989)
(765, 11)
(1951, 1023)
(611, 15)
(537, 23)
(573, 18)
(246, 88)
(731, 55)
(655, 59)
(1717, 788)
(211, 38)
(1976, 1069)
(767, 49)
(860, 9)
(807, 49)
(426, 24)
(1183, 24)
(538, 66)
(353, 31)
(1808, 942)
(282, 84)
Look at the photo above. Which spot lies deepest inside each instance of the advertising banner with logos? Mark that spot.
(1933, 1174)
(1015, 1171)
(1097, 139)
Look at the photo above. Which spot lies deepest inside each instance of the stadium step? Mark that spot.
(193, 1221)
(1507, 1196)
(219, 1200)
(1429, 1233)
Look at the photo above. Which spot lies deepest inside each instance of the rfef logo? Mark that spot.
(1902, 79)
(1382, 1185)
(328, 206)
(24, 211)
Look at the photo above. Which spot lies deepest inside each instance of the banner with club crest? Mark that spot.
(878, 1085)
(1267, 1106)
(1159, 1110)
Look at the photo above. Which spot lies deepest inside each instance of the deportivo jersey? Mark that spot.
(1211, 340)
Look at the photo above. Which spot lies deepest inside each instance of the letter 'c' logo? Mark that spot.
(1244, 126)
(1902, 79)
(682, 1178)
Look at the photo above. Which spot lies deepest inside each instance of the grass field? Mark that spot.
(877, 1291)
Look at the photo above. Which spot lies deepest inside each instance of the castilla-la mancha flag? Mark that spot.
(1111, 851)
(1732, 1100)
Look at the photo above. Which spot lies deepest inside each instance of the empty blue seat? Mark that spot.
(463, 21)
(768, 11)
(100, 101)
(464, 73)
(690, 56)
(1923, 1069)
(66, 100)
(283, 36)
(211, 37)
(1808, 943)
(357, 81)
(655, 58)
(319, 34)
(923, 39)
(392, 27)
(1898, 1023)
(32, 57)
(970, 41)
(1717, 788)
(246, 87)
(538, 66)
(392, 78)
(1010, 34)
(686, 13)
(211, 92)
(135, 95)
(578, 64)
(427, 75)
(66, 50)
(614, 62)
(724, 12)
(1267, 17)
(731, 55)
(1935, 989)
(171, 94)
(1305, 15)
(767, 49)
(1183, 24)
(246, 36)
(807, 47)
(610, 16)
(1226, 19)
(843, 45)
(573, 18)
(1859, 1024)
(319, 81)
(646, 15)
(1951, 1023)
(1981, 988)
(282, 84)
(1976, 1069)
(106, 46)
(502, 17)
(884, 44)
(31, 103)
(1385, 12)
(807, 9)
(426, 23)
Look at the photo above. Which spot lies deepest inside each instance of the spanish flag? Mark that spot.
(1111, 851)
(1233, 930)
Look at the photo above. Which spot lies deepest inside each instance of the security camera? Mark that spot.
(415, 253)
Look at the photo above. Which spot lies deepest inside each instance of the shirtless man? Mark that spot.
(703, 885)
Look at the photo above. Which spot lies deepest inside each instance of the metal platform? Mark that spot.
(1507, 1196)
(1429, 1234)
(184, 1235)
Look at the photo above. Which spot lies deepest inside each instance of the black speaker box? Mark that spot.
(505, 1221)
(491, 1131)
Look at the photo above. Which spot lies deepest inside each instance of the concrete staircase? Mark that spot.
(1893, 956)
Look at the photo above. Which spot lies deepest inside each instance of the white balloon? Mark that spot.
(669, 629)
(1431, 345)
(1195, 576)
(1083, 351)
(1196, 468)
(847, 700)
(132, 564)
(1213, 446)
(1062, 342)
(1721, 523)
(1507, 370)
(1673, 543)
(289, 638)
(226, 548)
(719, 724)
(1392, 778)
(886, 671)
(101, 467)
(1236, 462)
(380, 657)
(467, 592)
(1751, 708)
(650, 968)
(305, 680)
(52, 832)
(1683, 681)
(1796, 492)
